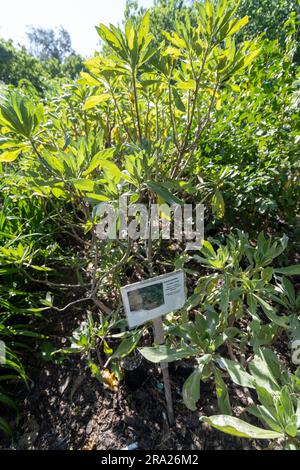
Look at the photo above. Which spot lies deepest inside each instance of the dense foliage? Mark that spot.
(197, 113)
(48, 58)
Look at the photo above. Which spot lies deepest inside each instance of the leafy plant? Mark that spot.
(184, 104)
(91, 337)
(242, 281)
(278, 394)
(200, 340)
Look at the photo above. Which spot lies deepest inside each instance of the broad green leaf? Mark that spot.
(191, 390)
(99, 160)
(222, 393)
(207, 247)
(277, 369)
(208, 8)
(289, 271)
(55, 162)
(237, 25)
(224, 296)
(165, 354)
(262, 374)
(187, 85)
(111, 171)
(237, 373)
(250, 57)
(9, 143)
(93, 101)
(266, 417)
(20, 115)
(286, 400)
(178, 101)
(175, 39)
(127, 345)
(88, 79)
(191, 387)
(58, 192)
(107, 35)
(97, 197)
(130, 35)
(266, 398)
(10, 155)
(271, 313)
(163, 193)
(218, 205)
(237, 427)
(84, 184)
(72, 350)
(289, 289)
(144, 28)
(172, 51)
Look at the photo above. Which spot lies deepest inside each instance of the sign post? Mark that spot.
(150, 300)
(159, 336)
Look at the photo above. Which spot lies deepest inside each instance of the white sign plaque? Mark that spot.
(150, 299)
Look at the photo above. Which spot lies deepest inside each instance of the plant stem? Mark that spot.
(136, 105)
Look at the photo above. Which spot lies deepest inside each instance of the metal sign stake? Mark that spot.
(159, 336)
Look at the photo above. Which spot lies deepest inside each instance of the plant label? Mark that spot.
(150, 299)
